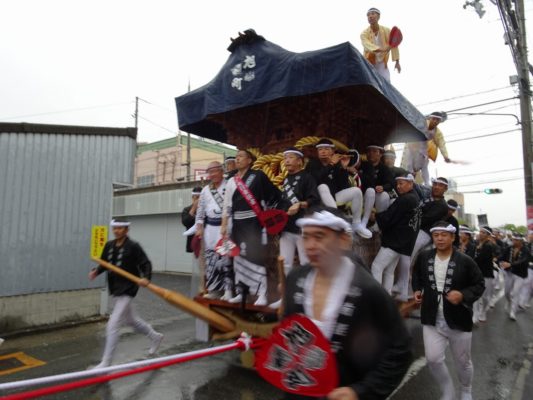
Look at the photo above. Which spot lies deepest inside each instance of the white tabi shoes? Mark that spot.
(276, 305)
(156, 342)
(362, 231)
(236, 299)
(227, 296)
(261, 301)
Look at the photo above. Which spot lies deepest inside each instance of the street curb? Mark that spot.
(53, 327)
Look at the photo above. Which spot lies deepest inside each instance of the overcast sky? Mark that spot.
(83, 63)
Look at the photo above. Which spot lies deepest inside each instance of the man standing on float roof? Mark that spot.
(129, 256)
(375, 40)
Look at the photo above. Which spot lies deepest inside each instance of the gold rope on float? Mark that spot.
(272, 165)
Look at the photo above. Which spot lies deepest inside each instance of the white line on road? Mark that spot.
(413, 370)
(518, 392)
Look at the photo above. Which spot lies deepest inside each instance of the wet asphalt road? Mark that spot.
(500, 354)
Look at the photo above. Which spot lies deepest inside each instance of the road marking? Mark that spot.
(413, 371)
(22, 358)
(518, 392)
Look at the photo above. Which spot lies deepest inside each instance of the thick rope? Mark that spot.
(93, 377)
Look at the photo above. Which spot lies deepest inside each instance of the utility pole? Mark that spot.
(522, 65)
(514, 25)
(136, 115)
(189, 144)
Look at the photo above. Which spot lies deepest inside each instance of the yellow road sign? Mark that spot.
(98, 240)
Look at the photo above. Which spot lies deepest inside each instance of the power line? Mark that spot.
(484, 136)
(493, 181)
(486, 173)
(448, 135)
(483, 104)
(65, 111)
(402, 146)
(463, 96)
(157, 105)
(159, 126)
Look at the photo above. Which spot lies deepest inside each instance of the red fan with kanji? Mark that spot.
(395, 37)
(298, 359)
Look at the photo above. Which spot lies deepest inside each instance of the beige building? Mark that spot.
(165, 161)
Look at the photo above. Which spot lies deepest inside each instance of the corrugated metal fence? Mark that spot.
(55, 183)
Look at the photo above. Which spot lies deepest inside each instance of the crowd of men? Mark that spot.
(425, 256)
(381, 200)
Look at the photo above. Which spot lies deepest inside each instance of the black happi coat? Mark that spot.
(520, 263)
(261, 187)
(484, 257)
(334, 176)
(188, 221)
(432, 212)
(376, 175)
(399, 224)
(398, 171)
(371, 341)
(302, 187)
(131, 258)
(470, 250)
(249, 230)
(466, 278)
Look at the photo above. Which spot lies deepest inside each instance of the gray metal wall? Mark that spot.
(55, 183)
(161, 237)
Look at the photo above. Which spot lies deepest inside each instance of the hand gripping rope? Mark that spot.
(92, 377)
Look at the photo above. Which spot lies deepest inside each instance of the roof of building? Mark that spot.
(24, 127)
(196, 143)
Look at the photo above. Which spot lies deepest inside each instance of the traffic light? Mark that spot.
(492, 191)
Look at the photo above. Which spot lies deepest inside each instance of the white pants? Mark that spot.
(482, 305)
(123, 314)
(415, 159)
(436, 339)
(422, 240)
(525, 295)
(288, 244)
(383, 270)
(382, 69)
(381, 201)
(351, 195)
(513, 288)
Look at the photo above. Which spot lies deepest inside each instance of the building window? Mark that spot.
(145, 180)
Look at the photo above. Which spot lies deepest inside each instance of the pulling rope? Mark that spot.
(93, 377)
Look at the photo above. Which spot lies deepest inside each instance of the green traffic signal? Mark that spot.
(492, 191)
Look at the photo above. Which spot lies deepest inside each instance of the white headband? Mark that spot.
(326, 220)
(298, 153)
(373, 146)
(439, 181)
(214, 167)
(373, 9)
(318, 146)
(450, 228)
(119, 224)
(465, 230)
(436, 116)
(196, 193)
(486, 231)
(453, 207)
(409, 178)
